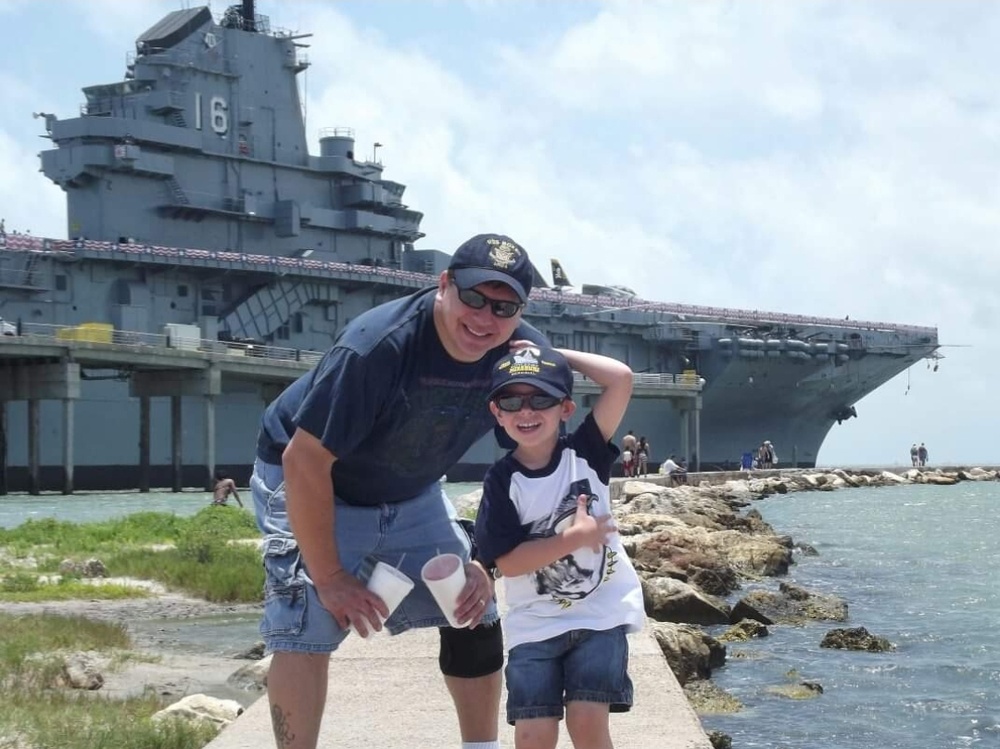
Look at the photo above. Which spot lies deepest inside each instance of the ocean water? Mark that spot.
(916, 564)
(88, 507)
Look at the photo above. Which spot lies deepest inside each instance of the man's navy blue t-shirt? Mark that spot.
(389, 402)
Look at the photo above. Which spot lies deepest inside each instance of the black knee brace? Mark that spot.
(470, 653)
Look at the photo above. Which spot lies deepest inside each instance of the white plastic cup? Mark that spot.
(389, 584)
(444, 576)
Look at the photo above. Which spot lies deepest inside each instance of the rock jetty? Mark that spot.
(695, 544)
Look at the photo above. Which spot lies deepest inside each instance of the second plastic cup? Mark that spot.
(444, 576)
(391, 585)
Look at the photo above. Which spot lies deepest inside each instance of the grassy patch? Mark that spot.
(60, 537)
(26, 588)
(232, 573)
(200, 560)
(45, 718)
(26, 640)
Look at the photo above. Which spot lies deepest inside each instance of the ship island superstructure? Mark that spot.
(211, 259)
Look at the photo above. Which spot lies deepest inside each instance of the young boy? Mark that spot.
(545, 523)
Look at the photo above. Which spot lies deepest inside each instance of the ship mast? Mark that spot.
(249, 16)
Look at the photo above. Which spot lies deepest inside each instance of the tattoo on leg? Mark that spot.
(279, 722)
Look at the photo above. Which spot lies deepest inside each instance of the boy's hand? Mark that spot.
(521, 343)
(587, 530)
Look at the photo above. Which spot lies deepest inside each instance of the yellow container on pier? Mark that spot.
(92, 332)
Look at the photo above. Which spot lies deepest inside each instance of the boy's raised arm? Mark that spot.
(615, 379)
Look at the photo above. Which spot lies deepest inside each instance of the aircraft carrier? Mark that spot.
(199, 223)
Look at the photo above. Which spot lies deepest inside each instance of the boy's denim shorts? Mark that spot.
(403, 534)
(581, 665)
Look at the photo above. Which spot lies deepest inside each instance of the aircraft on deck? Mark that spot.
(561, 282)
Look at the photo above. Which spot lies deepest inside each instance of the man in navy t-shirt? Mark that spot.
(348, 468)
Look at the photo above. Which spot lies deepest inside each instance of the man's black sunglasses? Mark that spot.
(499, 307)
(535, 401)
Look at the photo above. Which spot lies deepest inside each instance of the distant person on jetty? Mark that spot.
(922, 455)
(628, 463)
(680, 476)
(642, 457)
(348, 468)
(545, 522)
(224, 487)
(673, 471)
(628, 454)
(765, 455)
(914, 454)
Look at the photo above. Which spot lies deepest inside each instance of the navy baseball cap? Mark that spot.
(544, 368)
(492, 257)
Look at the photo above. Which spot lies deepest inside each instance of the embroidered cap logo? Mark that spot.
(503, 254)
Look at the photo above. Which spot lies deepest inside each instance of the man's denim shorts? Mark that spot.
(581, 665)
(403, 534)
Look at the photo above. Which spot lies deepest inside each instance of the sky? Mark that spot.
(820, 158)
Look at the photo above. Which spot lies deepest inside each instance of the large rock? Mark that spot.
(204, 709)
(708, 699)
(744, 630)
(754, 556)
(857, 638)
(690, 653)
(81, 671)
(789, 605)
(669, 600)
(91, 568)
(251, 677)
(684, 555)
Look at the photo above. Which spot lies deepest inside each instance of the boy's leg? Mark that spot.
(597, 682)
(535, 691)
(587, 723)
(536, 733)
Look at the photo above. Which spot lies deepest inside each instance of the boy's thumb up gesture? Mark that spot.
(590, 531)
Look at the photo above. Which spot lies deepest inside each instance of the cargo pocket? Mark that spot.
(284, 588)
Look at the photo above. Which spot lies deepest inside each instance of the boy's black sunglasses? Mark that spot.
(499, 307)
(535, 401)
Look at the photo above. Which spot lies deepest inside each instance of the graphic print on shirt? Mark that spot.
(432, 419)
(577, 575)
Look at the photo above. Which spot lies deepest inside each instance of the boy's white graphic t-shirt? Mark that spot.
(587, 589)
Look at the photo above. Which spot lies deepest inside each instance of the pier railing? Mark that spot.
(91, 336)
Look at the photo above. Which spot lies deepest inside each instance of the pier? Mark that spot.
(389, 693)
(49, 362)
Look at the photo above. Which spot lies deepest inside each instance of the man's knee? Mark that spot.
(471, 653)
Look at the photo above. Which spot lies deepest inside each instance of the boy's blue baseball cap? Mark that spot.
(492, 257)
(542, 367)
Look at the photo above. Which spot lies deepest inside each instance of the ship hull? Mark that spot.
(744, 402)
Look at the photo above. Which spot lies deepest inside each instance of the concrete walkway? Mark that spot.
(388, 693)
